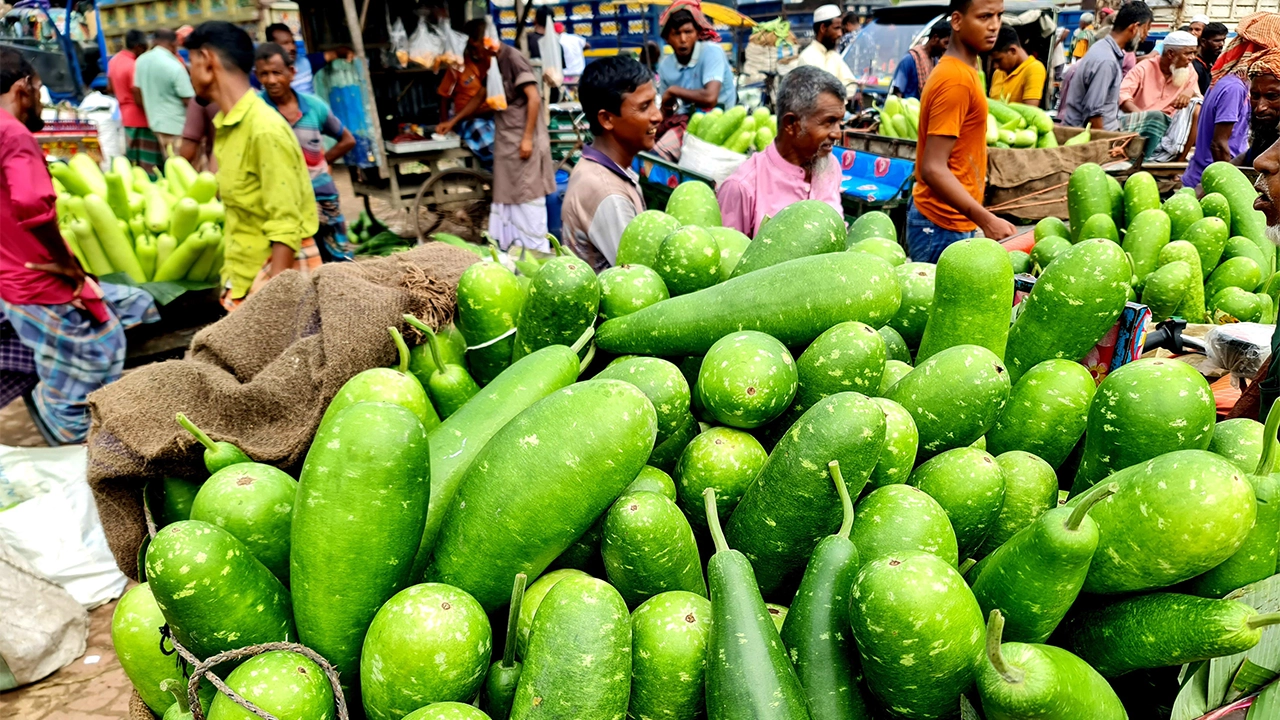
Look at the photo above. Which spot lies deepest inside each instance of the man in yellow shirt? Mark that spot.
(262, 175)
(1019, 78)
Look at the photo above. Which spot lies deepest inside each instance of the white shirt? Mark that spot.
(830, 60)
(574, 59)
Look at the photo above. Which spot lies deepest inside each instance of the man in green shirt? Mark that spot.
(262, 175)
(165, 87)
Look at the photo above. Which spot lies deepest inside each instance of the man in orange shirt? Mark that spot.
(951, 160)
(468, 114)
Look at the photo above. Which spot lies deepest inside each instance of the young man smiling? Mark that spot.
(951, 172)
(619, 100)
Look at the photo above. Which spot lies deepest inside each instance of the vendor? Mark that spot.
(1229, 112)
(914, 68)
(467, 113)
(621, 104)
(1019, 77)
(312, 121)
(1211, 42)
(523, 173)
(696, 75)
(822, 53)
(951, 170)
(799, 165)
(1198, 24)
(1091, 97)
(1268, 185)
(74, 327)
(1161, 96)
(305, 66)
(262, 176)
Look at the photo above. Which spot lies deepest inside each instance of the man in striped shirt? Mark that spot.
(311, 120)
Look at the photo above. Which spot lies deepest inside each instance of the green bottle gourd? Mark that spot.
(450, 386)
(1256, 558)
(504, 674)
(816, 630)
(1036, 576)
(749, 676)
(217, 455)
(1020, 681)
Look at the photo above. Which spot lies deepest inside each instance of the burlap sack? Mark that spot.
(1015, 176)
(260, 378)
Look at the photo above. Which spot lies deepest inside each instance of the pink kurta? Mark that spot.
(1147, 86)
(766, 183)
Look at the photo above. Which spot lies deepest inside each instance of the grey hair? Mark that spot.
(798, 93)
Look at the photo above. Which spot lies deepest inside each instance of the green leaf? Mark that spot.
(1249, 678)
(162, 292)
(1263, 596)
(1266, 705)
(1191, 702)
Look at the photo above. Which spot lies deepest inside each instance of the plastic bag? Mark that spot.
(552, 62)
(425, 47)
(42, 628)
(496, 98)
(50, 519)
(399, 38)
(712, 161)
(1238, 348)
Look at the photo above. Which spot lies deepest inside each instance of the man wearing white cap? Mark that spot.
(1164, 84)
(1198, 22)
(822, 53)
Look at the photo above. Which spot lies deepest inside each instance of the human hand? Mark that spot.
(526, 148)
(73, 273)
(996, 228)
(444, 128)
(1181, 101)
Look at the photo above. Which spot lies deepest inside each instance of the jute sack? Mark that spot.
(260, 378)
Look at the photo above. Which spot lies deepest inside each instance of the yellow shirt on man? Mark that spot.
(1025, 83)
(264, 184)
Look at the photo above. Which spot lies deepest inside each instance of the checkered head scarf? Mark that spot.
(1255, 34)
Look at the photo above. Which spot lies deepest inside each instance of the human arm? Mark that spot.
(1033, 85)
(704, 97)
(32, 201)
(469, 110)
(902, 76)
(935, 174)
(288, 202)
(340, 148)
(137, 98)
(1220, 147)
(1129, 87)
(532, 112)
(1095, 122)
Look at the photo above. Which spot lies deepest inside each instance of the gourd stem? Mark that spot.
(199, 434)
(1267, 462)
(513, 621)
(966, 566)
(583, 339)
(846, 502)
(493, 253)
(1263, 620)
(178, 691)
(586, 359)
(713, 519)
(555, 243)
(1095, 495)
(401, 348)
(995, 633)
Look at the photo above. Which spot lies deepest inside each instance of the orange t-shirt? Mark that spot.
(462, 86)
(953, 104)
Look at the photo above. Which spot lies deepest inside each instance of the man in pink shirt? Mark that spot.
(76, 335)
(799, 164)
(1160, 99)
(141, 147)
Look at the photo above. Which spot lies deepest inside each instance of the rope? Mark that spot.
(1011, 203)
(205, 669)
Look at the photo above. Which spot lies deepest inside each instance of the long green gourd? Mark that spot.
(972, 297)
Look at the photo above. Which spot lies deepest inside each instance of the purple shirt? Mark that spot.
(1227, 102)
(766, 183)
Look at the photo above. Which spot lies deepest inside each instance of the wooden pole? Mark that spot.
(370, 105)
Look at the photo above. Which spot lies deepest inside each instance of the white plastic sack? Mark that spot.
(47, 515)
(399, 38)
(104, 112)
(42, 628)
(712, 161)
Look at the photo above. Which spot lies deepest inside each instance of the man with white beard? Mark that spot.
(1159, 88)
(799, 164)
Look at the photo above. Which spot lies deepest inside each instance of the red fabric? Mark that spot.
(706, 31)
(26, 202)
(120, 73)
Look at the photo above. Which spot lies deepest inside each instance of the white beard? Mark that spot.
(1180, 76)
(1273, 234)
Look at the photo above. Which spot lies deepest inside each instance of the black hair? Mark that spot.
(605, 83)
(232, 44)
(268, 50)
(270, 33)
(850, 17)
(134, 38)
(542, 16)
(1185, 28)
(678, 19)
(650, 54)
(13, 67)
(164, 35)
(1130, 14)
(474, 29)
(1213, 30)
(1007, 39)
(940, 29)
(959, 6)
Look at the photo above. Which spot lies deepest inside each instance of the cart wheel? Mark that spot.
(459, 197)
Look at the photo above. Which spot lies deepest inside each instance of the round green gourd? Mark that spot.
(642, 236)
(1030, 490)
(1099, 226)
(283, 683)
(722, 458)
(627, 288)
(489, 302)
(669, 634)
(1167, 288)
(694, 203)
(135, 636)
(648, 548)
(1020, 261)
(901, 441)
(661, 382)
(428, 643)
(901, 518)
(917, 280)
(884, 248)
(1048, 249)
(390, 385)
(871, 224)
(1183, 211)
(1140, 194)
(895, 347)
(954, 396)
(447, 711)
(688, 260)
(1209, 235)
(1046, 412)
(1145, 237)
(804, 228)
(651, 479)
(894, 370)
(1239, 440)
(253, 502)
(969, 485)
(747, 379)
(848, 357)
(1051, 227)
(1192, 307)
(732, 244)
(562, 302)
(1215, 205)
